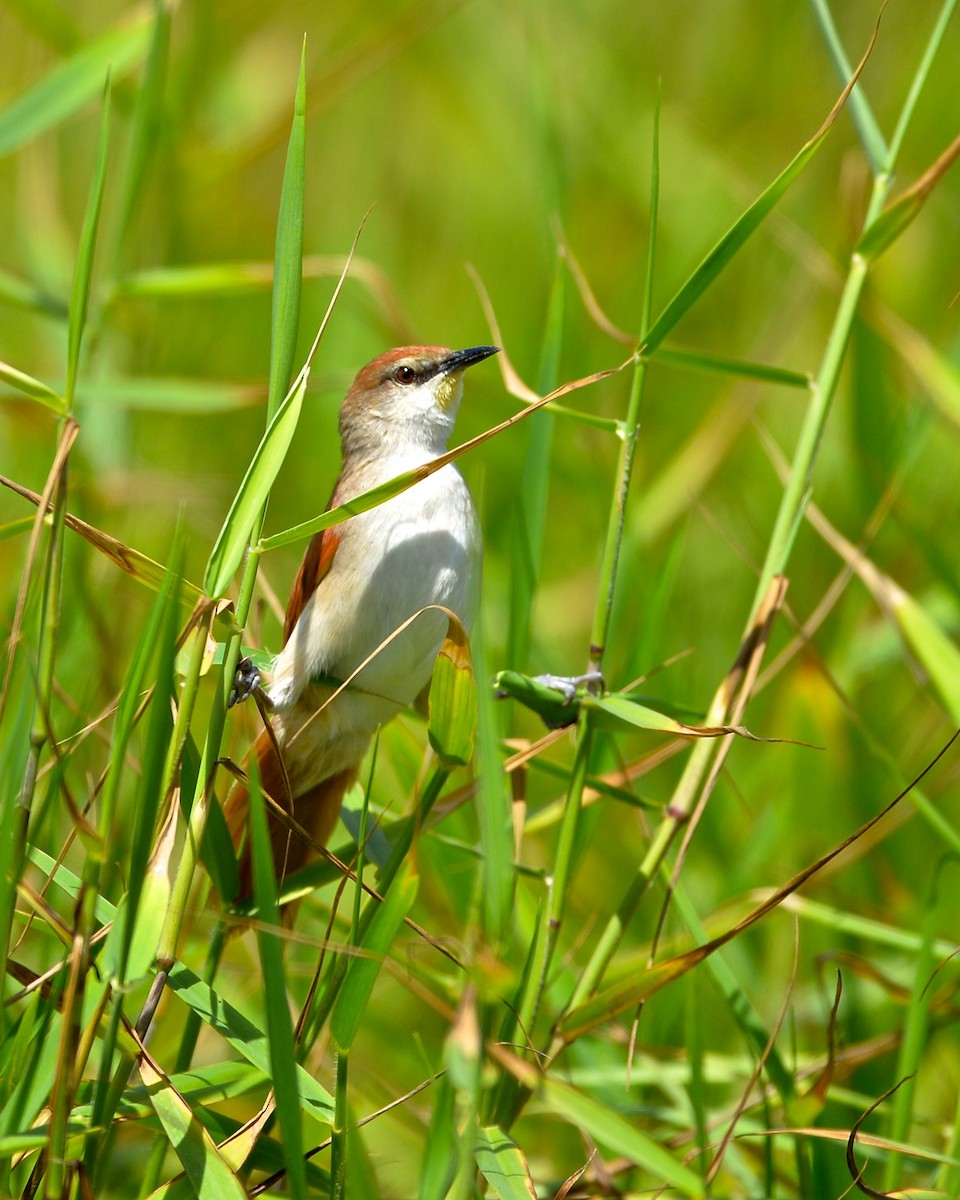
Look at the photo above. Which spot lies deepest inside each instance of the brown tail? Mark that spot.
(316, 810)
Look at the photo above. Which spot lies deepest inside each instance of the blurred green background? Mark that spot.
(491, 134)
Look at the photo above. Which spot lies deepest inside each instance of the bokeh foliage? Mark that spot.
(518, 140)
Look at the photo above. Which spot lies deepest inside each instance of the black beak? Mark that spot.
(461, 359)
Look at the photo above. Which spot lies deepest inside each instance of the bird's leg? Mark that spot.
(246, 681)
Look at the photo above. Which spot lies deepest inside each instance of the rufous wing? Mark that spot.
(316, 563)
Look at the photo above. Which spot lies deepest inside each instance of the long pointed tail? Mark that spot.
(315, 809)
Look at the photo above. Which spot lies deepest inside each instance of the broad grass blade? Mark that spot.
(212, 1179)
(72, 84)
(719, 364)
(244, 514)
(363, 970)
(743, 228)
(288, 255)
(453, 700)
(32, 387)
(192, 397)
(239, 1029)
(440, 1149)
(503, 1164)
(604, 1125)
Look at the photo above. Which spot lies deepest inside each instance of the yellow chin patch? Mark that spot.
(449, 390)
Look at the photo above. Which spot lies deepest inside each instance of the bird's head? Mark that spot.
(408, 396)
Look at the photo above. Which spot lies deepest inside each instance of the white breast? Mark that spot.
(421, 548)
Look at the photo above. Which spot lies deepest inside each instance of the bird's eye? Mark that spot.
(404, 374)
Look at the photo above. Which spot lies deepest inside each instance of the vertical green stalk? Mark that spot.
(338, 1133)
(288, 259)
(789, 516)
(545, 947)
(66, 1073)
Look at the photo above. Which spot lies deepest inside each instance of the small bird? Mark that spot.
(358, 583)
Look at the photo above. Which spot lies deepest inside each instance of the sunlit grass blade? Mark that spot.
(439, 1164)
(743, 228)
(920, 79)
(244, 514)
(605, 1125)
(362, 970)
(931, 645)
(288, 260)
(212, 1179)
(283, 1064)
(238, 1029)
(29, 386)
(74, 82)
(503, 1165)
(244, 518)
(189, 397)
(452, 726)
(718, 364)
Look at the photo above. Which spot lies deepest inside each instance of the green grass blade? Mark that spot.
(872, 140)
(919, 80)
(439, 1165)
(80, 290)
(212, 1179)
(146, 126)
(244, 515)
(493, 814)
(739, 234)
(363, 970)
(288, 259)
(452, 727)
(610, 1129)
(32, 387)
(283, 1064)
(238, 1029)
(531, 504)
(719, 364)
(503, 1165)
(891, 223)
(938, 911)
(73, 83)
(189, 397)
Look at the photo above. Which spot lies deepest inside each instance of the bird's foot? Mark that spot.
(569, 685)
(246, 681)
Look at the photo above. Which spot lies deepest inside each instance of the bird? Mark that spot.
(359, 582)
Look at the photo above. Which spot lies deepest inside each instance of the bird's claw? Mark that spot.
(568, 685)
(246, 680)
